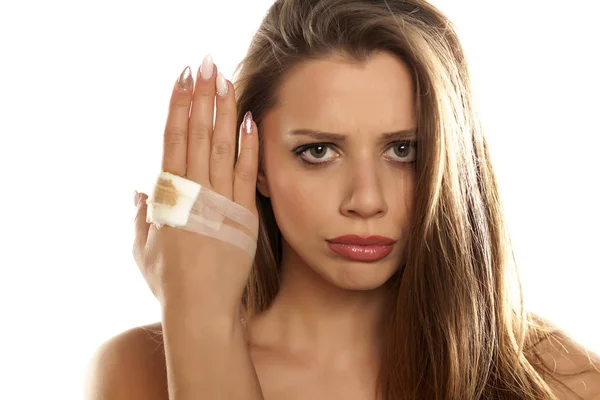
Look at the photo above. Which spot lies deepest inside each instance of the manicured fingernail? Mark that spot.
(222, 87)
(206, 69)
(248, 122)
(185, 79)
(136, 198)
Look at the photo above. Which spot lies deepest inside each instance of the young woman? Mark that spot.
(383, 267)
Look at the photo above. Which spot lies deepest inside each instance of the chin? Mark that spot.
(360, 276)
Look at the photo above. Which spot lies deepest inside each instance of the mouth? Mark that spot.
(373, 240)
(357, 252)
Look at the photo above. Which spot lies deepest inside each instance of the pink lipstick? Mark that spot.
(360, 248)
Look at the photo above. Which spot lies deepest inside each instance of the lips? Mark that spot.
(361, 253)
(362, 240)
(360, 248)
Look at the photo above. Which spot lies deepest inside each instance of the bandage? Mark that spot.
(185, 204)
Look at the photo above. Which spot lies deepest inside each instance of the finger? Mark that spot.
(175, 137)
(246, 168)
(200, 127)
(223, 140)
(141, 226)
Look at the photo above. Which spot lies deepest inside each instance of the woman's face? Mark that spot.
(362, 184)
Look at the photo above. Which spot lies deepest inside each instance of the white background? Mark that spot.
(84, 90)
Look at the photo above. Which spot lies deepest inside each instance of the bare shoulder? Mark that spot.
(576, 368)
(130, 365)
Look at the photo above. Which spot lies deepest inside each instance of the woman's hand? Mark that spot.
(183, 266)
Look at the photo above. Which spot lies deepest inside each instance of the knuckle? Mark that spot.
(221, 149)
(200, 133)
(203, 101)
(226, 109)
(248, 153)
(137, 216)
(248, 150)
(244, 175)
(205, 91)
(180, 100)
(175, 135)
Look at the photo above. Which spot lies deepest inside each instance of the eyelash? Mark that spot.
(302, 149)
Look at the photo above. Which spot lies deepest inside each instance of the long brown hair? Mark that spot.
(457, 328)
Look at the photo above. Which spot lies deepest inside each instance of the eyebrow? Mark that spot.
(318, 135)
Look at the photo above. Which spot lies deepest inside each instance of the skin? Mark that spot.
(320, 334)
(319, 339)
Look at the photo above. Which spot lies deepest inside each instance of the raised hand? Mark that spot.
(184, 266)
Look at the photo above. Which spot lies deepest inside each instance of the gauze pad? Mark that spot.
(185, 204)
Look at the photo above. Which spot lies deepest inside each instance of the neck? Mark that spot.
(321, 322)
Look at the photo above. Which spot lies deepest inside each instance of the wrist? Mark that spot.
(200, 310)
(189, 294)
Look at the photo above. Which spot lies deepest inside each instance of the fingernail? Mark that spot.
(136, 198)
(185, 79)
(206, 68)
(222, 87)
(248, 122)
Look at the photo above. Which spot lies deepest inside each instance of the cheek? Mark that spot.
(294, 201)
(294, 193)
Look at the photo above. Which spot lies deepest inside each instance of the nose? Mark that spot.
(364, 195)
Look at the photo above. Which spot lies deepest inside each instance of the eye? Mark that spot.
(403, 152)
(407, 150)
(315, 151)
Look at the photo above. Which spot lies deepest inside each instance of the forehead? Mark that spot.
(340, 95)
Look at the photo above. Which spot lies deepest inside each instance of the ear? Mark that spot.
(262, 184)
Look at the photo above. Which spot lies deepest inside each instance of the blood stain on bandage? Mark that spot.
(165, 192)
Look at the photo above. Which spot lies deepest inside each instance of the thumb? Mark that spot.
(141, 226)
